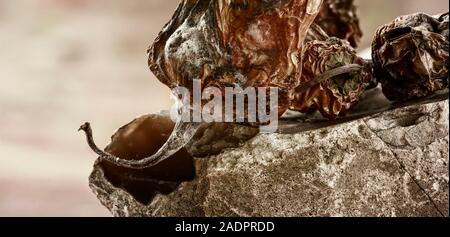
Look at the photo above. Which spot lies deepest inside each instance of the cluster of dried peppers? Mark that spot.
(302, 47)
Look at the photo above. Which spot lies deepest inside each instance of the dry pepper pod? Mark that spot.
(333, 78)
(227, 43)
(338, 18)
(410, 56)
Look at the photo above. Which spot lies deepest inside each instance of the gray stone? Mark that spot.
(391, 164)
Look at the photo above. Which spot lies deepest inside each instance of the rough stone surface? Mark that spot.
(392, 164)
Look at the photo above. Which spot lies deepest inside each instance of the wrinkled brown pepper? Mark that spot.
(338, 18)
(234, 43)
(339, 94)
(411, 56)
(261, 43)
(239, 43)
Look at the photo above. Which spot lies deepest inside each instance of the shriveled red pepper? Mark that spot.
(411, 56)
(337, 93)
(338, 18)
(245, 43)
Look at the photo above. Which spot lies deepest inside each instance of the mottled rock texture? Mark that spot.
(392, 164)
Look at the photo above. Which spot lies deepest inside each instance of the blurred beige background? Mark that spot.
(64, 62)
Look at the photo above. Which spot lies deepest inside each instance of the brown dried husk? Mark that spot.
(245, 43)
(411, 56)
(338, 95)
(137, 140)
(338, 18)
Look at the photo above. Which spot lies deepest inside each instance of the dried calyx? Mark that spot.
(411, 56)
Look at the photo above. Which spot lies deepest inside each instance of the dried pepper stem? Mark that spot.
(350, 68)
(181, 135)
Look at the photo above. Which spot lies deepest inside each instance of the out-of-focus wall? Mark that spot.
(64, 62)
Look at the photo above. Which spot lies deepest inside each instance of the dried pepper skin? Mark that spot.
(138, 139)
(411, 56)
(186, 45)
(225, 43)
(444, 24)
(245, 43)
(338, 18)
(339, 94)
(265, 42)
(261, 43)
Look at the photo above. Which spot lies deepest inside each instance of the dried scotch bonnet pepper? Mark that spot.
(338, 18)
(337, 75)
(411, 56)
(237, 43)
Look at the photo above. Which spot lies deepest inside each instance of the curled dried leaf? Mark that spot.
(411, 56)
(338, 18)
(346, 78)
